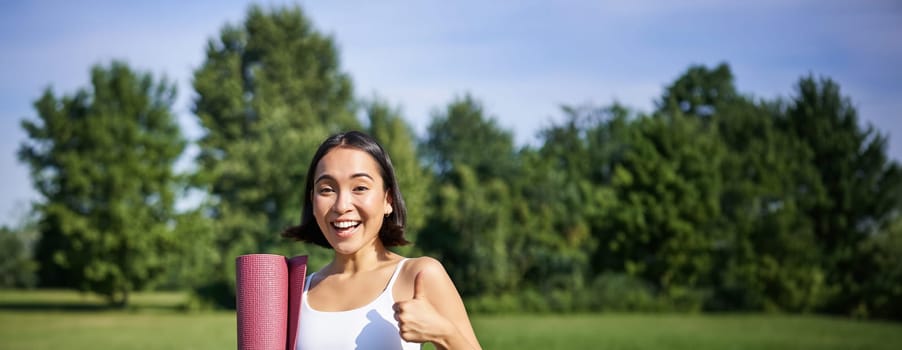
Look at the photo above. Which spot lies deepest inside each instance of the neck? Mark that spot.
(364, 259)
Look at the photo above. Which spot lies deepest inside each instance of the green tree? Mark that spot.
(862, 186)
(463, 134)
(471, 226)
(667, 184)
(102, 159)
(268, 93)
(768, 256)
(471, 231)
(771, 258)
(700, 91)
(566, 183)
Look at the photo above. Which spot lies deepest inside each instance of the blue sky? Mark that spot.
(521, 59)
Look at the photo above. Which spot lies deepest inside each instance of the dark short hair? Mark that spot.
(392, 231)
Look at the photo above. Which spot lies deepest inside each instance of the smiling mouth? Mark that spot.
(345, 224)
(345, 227)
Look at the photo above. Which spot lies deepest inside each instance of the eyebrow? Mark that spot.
(355, 175)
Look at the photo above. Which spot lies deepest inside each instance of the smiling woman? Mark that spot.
(368, 297)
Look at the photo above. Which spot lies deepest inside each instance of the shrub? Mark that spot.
(17, 269)
(622, 292)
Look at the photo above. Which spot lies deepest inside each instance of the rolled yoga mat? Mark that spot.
(268, 291)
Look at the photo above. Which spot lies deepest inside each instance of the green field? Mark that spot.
(65, 320)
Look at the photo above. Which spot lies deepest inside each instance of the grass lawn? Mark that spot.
(65, 320)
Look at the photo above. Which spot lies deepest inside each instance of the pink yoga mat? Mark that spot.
(268, 294)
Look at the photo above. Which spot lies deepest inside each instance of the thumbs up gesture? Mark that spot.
(418, 320)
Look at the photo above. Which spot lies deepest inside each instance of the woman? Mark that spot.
(368, 297)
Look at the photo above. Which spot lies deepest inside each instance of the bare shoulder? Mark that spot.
(426, 263)
(431, 272)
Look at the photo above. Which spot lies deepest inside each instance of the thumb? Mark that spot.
(419, 287)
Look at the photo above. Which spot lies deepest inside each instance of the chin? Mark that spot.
(350, 245)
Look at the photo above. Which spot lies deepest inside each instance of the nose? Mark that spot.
(342, 202)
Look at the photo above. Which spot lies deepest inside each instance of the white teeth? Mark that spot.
(345, 224)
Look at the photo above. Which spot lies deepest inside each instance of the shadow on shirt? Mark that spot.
(379, 333)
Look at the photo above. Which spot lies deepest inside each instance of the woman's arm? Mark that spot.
(435, 313)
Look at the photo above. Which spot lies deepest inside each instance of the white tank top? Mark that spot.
(372, 326)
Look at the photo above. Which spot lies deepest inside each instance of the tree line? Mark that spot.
(714, 200)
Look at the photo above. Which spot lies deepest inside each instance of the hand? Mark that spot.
(418, 320)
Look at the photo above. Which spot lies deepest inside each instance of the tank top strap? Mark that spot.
(394, 275)
(307, 281)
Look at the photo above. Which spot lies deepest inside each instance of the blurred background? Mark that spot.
(724, 174)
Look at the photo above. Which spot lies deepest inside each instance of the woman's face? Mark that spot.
(349, 199)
